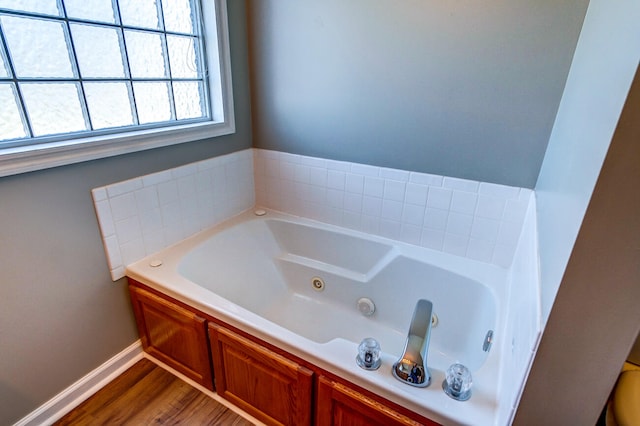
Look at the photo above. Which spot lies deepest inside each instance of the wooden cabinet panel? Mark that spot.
(173, 334)
(267, 385)
(339, 405)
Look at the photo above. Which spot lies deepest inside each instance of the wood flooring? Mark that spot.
(146, 394)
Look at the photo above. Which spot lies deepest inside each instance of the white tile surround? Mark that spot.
(141, 216)
(478, 220)
(523, 321)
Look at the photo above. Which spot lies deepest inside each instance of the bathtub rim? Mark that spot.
(431, 402)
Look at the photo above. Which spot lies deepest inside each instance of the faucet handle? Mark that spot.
(457, 383)
(369, 354)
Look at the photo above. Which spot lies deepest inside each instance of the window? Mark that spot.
(84, 79)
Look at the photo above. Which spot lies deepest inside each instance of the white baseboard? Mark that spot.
(69, 398)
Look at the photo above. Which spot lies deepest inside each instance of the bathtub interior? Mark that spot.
(347, 255)
(267, 266)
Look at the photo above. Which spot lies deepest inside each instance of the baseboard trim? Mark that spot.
(72, 396)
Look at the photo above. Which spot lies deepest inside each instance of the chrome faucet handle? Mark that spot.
(457, 382)
(369, 354)
(412, 368)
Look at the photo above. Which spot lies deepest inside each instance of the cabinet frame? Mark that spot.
(167, 329)
(340, 404)
(269, 386)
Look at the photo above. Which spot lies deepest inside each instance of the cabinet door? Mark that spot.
(339, 405)
(267, 385)
(173, 334)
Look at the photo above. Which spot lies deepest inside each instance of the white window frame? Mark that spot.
(40, 156)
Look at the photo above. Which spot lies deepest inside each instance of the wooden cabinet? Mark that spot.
(270, 387)
(341, 405)
(273, 386)
(173, 334)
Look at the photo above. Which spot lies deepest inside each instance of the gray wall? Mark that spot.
(61, 316)
(589, 268)
(603, 67)
(464, 89)
(595, 318)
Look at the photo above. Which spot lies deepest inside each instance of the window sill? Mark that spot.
(38, 157)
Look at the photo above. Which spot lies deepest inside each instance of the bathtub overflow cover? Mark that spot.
(317, 283)
(434, 320)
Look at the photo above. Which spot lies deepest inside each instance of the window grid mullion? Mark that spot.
(23, 108)
(201, 54)
(118, 24)
(167, 61)
(127, 66)
(76, 66)
(80, 81)
(98, 79)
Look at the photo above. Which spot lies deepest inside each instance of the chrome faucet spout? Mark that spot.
(412, 368)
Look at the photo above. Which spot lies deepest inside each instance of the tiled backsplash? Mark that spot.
(478, 220)
(141, 216)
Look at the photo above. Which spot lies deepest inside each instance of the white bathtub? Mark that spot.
(256, 274)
